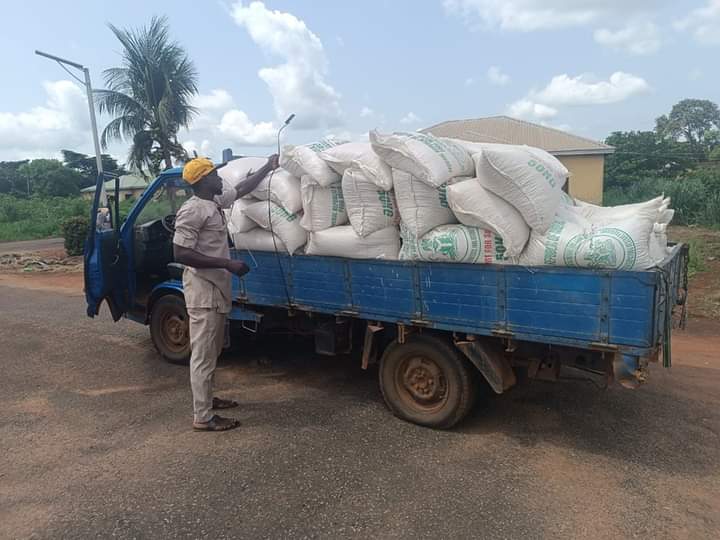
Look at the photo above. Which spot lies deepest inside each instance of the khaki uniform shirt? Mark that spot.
(200, 226)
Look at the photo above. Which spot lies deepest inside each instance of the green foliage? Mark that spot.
(50, 178)
(10, 179)
(696, 256)
(75, 231)
(695, 195)
(641, 154)
(149, 96)
(87, 166)
(696, 121)
(35, 217)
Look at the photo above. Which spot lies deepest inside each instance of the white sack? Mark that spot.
(475, 206)
(363, 157)
(624, 245)
(528, 178)
(608, 214)
(237, 170)
(422, 206)
(284, 224)
(323, 207)
(369, 209)
(430, 159)
(344, 242)
(454, 243)
(658, 243)
(258, 240)
(237, 221)
(300, 160)
(284, 190)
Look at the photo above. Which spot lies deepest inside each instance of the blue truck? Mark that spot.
(435, 329)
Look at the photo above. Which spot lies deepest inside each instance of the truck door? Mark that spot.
(105, 259)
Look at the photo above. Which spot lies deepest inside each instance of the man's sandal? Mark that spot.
(217, 423)
(219, 403)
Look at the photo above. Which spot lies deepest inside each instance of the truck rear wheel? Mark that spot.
(169, 329)
(427, 382)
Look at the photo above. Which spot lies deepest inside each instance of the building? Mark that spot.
(584, 158)
(131, 187)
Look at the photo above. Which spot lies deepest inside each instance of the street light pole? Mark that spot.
(93, 121)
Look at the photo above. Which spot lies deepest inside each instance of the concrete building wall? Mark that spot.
(586, 176)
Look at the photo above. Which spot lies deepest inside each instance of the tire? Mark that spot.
(425, 381)
(169, 329)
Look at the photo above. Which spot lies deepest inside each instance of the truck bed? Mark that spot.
(628, 311)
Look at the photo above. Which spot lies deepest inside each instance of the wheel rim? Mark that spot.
(175, 332)
(421, 383)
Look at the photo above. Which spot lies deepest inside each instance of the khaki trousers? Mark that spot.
(207, 335)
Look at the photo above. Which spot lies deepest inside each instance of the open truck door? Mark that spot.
(105, 257)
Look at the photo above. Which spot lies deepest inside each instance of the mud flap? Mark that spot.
(490, 360)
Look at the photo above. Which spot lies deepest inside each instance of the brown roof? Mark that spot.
(506, 130)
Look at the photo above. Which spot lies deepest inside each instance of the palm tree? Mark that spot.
(149, 96)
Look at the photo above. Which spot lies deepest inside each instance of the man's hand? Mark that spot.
(238, 268)
(273, 162)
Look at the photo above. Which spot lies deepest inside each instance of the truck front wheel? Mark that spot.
(169, 329)
(427, 382)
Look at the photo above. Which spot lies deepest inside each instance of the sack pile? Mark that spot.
(413, 196)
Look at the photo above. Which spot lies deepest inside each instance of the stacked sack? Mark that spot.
(425, 170)
(361, 192)
(269, 217)
(414, 196)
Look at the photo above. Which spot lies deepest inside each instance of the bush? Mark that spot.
(695, 196)
(37, 217)
(75, 231)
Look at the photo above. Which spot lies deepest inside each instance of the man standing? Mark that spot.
(201, 244)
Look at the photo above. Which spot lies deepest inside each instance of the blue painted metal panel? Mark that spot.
(382, 288)
(568, 306)
(320, 282)
(556, 302)
(460, 293)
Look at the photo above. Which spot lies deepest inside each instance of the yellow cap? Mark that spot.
(196, 169)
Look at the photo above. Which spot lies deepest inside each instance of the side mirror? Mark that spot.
(176, 270)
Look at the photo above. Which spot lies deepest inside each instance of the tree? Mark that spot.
(149, 95)
(10, 180)
(49, 177)
(695, 121)
(87, 166)
(643, 154)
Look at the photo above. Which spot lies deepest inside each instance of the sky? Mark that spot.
(590, 67)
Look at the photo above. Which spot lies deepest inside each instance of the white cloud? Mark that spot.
(638, 38)
(219, 120)
(695, 74)
(366, 111)
(497, 77)
(218, 98)
(581, 90)
(525, 108)
(297, 86)
(410, 118)
(469, 81)
(529, 15)
(63, 122)
(585, 90)
(704, 23)
(237, 127)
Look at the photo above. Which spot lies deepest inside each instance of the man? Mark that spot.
(201, 244)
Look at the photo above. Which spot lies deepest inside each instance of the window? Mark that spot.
(166, 201)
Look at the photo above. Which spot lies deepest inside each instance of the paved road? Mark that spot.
(95, 442)
(30, 245)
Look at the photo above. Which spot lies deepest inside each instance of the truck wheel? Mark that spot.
(169, 329)
(427, 382)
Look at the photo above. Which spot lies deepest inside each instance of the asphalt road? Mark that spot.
(30, 245)
(95, 441)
